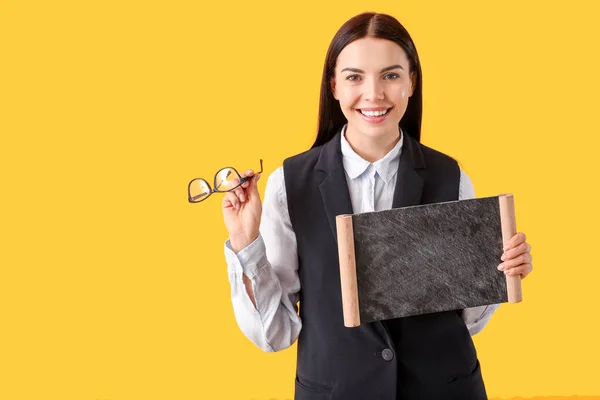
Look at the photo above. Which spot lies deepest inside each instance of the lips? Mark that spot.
(372, 112)
(374, 115)
(373, 108)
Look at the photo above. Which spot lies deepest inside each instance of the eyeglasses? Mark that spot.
(226, 179)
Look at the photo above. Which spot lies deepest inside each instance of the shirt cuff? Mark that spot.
(475, 318)
(249, 260)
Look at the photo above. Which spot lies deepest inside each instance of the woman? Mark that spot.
(367, 157)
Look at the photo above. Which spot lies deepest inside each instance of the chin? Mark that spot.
(384, 126)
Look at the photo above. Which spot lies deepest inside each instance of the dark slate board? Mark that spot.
(428, 258)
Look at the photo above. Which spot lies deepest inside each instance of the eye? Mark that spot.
(353, 78)
(391, 76)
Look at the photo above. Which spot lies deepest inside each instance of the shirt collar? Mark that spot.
(355, 165)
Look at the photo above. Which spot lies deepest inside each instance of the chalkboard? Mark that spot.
(424, 259)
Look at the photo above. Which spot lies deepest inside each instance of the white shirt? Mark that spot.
(271, 261)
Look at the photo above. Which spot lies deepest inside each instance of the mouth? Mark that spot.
(374, 115)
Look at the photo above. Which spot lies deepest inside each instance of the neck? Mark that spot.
(371, 148)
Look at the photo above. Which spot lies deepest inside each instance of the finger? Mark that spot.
(523, 270)
(514, 241)
(517, 251)
(239, 192)
(515, 262)
(245, 175)
(253, 188)
(231, 200)
(255, 179)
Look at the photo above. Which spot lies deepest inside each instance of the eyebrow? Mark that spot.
(382, 71)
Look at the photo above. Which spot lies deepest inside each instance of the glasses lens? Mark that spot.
(227, 179)
(199, 190)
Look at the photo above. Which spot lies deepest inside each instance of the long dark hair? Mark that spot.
(381, 26)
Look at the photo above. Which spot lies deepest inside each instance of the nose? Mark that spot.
(373, 90)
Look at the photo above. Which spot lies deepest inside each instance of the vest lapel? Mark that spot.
(334, 188)
(409, 184)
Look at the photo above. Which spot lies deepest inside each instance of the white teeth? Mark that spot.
(373, 113)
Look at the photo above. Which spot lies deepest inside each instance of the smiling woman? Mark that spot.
(371, 55)
(373, 99)
(367, 156)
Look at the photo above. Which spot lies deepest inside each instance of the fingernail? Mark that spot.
(257, 179)
(505, 247)
(500, 267)
(506, 272)
(503, 257)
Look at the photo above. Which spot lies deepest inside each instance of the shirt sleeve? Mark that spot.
(271, 264)
(475, 317)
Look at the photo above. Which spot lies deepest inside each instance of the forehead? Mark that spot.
(371, 54)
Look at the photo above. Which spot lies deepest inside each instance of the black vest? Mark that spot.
(429, 356)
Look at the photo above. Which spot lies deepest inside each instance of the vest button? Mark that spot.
(387, 354)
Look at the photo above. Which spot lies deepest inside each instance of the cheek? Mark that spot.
(401, 100)
(401, 96)
(349, 97)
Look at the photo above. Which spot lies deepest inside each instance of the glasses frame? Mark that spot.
(242, 180)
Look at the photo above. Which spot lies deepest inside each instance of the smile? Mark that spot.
(374, 113)
(374, 116)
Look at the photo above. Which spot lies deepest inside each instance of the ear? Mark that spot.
(413, 83)
(332, 86)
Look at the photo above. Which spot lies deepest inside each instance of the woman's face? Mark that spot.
(372, 82)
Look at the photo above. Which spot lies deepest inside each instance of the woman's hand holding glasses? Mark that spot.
(242, 210)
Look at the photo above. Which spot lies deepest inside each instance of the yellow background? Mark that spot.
(113, 287)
